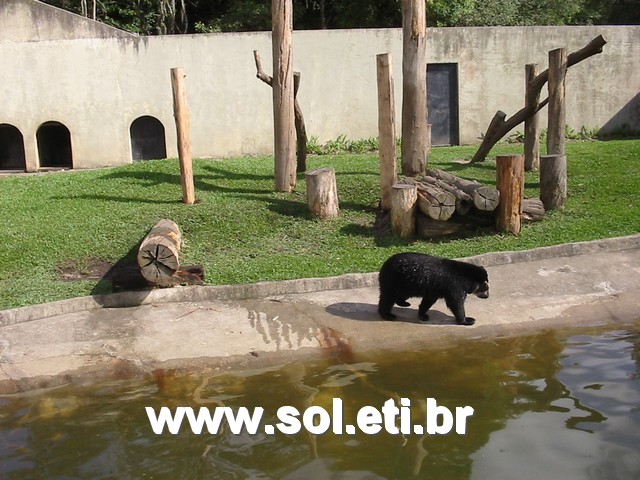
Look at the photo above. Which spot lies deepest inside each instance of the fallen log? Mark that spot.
(158, 254)
(428, 228)
(464, 201)
(532, 210)
(433, 201)
(484, 198)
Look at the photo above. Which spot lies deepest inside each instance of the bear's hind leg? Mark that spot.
(402, 302)
(384, 307)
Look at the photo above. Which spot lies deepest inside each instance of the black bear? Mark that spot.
(406, 275)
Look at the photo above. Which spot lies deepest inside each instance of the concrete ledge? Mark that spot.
(304, 285)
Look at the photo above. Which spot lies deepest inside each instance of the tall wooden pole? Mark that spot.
(183, 130)
(510, 184)
(415, 137)
(532, 123)
(386, 128)
(557, 104)
(283, 96)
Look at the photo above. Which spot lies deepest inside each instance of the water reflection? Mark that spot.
(549, 405)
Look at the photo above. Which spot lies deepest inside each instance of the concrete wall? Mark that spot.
(98, 86)
(30, 21)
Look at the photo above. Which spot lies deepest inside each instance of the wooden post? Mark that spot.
(183, 130)
(386, 129)
(532, 123)
(553, 181)
(283, 103)
(322, 193)
(510, 184)
(403, 209)
(557, 105)
(414, 87)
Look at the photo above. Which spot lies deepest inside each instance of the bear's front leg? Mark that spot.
(456, 305)
(423, 310)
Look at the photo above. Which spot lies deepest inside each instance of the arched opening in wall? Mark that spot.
(11, 148)
(147, 139)
(54, 145)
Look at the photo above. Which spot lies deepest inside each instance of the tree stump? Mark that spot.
(403, 209)
(158, 254)
(532, 123)
(322, 193)
(510, 183)
(553, 181)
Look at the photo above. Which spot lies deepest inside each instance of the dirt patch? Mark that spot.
(83, 269)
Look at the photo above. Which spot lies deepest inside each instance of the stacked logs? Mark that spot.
(446, 204)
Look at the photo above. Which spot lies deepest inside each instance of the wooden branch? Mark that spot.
(500, 126)
(301, 130)
(260, 72)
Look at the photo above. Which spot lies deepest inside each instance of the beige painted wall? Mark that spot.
(98, 86)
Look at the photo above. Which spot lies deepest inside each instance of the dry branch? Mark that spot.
(301, 130)
(500, 126)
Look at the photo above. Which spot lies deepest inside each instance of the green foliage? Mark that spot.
(244, 232)
(342, 145)
(149, 17)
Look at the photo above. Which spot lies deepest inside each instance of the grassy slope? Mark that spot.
(243, 232)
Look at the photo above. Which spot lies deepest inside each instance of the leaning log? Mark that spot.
(500, 125)
(158, 254)
(484, 198)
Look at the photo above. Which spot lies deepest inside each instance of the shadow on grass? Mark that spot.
(123, 276)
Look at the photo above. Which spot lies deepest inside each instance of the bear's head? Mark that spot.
(482, 290)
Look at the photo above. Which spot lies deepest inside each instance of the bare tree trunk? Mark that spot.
(386, 129)
(531, 124)
(301, 129)
(283, 104)
(415, 141)
(557, 105)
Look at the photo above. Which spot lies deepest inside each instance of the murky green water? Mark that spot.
(561, 405)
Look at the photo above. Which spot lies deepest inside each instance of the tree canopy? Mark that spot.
(150, 17)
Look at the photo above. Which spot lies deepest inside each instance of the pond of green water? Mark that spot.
(555, 404)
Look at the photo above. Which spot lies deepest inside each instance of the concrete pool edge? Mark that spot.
(591, 283)
(303, 285)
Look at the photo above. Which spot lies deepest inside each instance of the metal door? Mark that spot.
(442, 103)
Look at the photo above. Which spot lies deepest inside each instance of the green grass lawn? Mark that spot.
(244, 232)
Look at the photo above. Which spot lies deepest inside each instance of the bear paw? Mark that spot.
(423, 317)
(403, 303)
(468, 321)
(387, 316)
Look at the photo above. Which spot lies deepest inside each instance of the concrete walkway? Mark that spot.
(194, 328)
